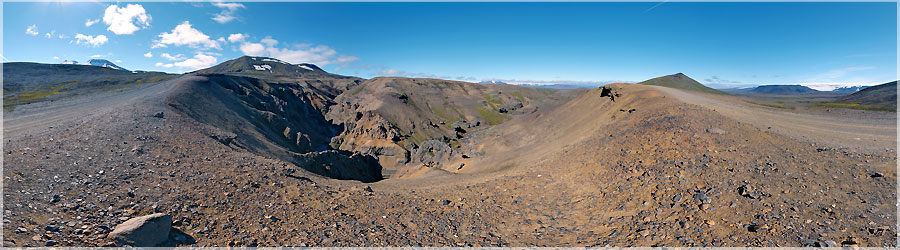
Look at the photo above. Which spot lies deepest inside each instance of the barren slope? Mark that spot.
(872, 131)
(625, 165)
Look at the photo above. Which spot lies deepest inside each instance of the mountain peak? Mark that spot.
(106, 63)
(681, 81)
(267, 66)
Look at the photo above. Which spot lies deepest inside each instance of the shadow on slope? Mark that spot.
(279, 120)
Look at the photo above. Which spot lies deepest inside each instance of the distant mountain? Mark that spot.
(783, 89)
(883, 96)
(107, 64)
(560, 86)
(266, 67)
(681, 81)
(850, 89)
(33, 82)
(492, 82)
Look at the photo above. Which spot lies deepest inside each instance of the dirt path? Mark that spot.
(868, 130)
(27, 119)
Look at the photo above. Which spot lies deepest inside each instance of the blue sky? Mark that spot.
(719, 44)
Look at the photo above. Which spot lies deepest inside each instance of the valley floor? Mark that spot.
(586, 172)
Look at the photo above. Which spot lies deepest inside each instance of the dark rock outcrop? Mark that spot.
(341, 165)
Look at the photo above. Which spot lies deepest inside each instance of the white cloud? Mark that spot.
(118, 61)
(49, 35)
(184, 34)
(223, 18)
(236, 37)
(172, 58)
(90, 22)
(269, 41)
(199, 61)
(61, 36)
(122, 20)
(91, 40)
(253, 49)
(96, 56)
(31, 30)
(55, 58)
(346, 59)
(319, 55)
(148, 54)
(227, 14)
(228, 6)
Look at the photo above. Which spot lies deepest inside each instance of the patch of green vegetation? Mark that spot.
(37, 94)
(491, 116)
(519, 95)
(774, 106)
(461, 115)
(851, 105)
(492, 99)
(355, 90)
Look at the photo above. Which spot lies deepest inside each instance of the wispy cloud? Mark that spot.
(836, 74)
(718, 82)
(32, 30)
(171, 57)
(654, 6)
(590, 83)
(227, 13)
(90, 22)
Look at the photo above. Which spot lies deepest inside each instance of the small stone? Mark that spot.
(829, 243)
(36, 238)
(50, 243)
(710, 222)
(717, 131)
(53, 228)
(159, 115)
(644, 232)
(21, 230)
(445, 202)
(850, 242)
(704, 206)
(758, 228)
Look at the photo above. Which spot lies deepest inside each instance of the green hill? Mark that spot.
(681, 81)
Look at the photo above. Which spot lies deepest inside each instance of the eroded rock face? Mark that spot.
(368, 132)
(341, 165)
(144, 231)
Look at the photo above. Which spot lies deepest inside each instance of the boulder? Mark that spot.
(144, 231)
(432, 153)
